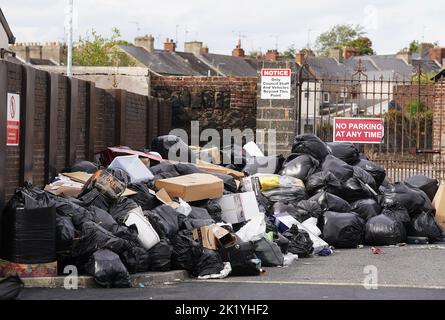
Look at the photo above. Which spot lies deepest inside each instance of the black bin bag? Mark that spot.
(10, 288)
(168, 219)
(427, 185)
(381, 230)
(377, 172)
(345, 151)
(160, 256)
(366, 208)
(173, 145)
(293, 194)
(413, 199)
(83, 166)
(209, 263)
(186, 251)
(338, 168)
(324, 181)
(312, 145)
(269, 253)
(300, 242)
(425, 225)
(93, 237)
(145, 199)
(65, 233)
(330, 202)
(29, 228)
(242, 258)
(343, 229)
(108, 270)
(299, 166)
(398, 213)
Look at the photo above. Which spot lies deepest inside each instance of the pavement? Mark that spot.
(407, 272)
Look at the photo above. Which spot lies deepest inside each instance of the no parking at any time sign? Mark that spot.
(13, 119)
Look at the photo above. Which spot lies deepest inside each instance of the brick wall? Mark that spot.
(439, 119)
(216, 102)
(36, 159)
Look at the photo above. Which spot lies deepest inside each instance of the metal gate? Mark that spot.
(406, 105)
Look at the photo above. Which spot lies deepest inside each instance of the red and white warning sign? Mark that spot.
(275, 83)
(359, 130)
(13, 118)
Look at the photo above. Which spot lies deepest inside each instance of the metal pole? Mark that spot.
(69, 64)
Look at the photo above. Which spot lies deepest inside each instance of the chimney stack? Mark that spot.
(146, 42)
(405, 55)
(350, 52)
(205, 49)
(194, 47)
(238, 51)
(438, 54)
(337, 54)
(272, 55)
(169, 45)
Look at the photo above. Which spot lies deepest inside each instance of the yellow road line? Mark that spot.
(350, 284)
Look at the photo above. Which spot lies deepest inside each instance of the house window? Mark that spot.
(326, 97)
(343, 92)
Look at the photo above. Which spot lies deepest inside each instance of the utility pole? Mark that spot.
(69, 68)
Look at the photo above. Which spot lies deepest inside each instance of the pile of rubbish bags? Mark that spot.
(138, 212)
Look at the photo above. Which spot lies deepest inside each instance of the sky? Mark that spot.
(262, 24)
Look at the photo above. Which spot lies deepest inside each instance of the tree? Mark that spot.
(337, 37)
(414, 46)
(96, 50)
(289, 53)
(364, 44)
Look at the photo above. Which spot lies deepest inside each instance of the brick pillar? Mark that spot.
(279, 115)
(439, 118)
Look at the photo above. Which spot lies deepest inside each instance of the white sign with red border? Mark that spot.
(359, 130)
(13, 120)
(275, 84)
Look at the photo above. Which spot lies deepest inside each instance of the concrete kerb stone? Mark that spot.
(85, 282)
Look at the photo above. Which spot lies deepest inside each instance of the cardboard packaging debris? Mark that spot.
(211, 155)
(8, 268)
(193, 187)
(212, 235)
(439, 204)
(211, 168)
(108, 155)
(239, 207)
(65, 186)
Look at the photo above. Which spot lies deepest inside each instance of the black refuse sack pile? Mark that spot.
(322, 196)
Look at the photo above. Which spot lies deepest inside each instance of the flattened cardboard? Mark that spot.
(439, 204)
(193, 187)
(60, 187)
(209, 167)
(163, 196)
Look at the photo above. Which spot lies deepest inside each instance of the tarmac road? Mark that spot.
(409, 272)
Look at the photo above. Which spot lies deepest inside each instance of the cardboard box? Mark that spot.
(63, 187)
(211, 236)
(239, 207)
(8, 268)
(211, 168)
(193, 187)
(284, 221)
(209, 154)
(439, 204)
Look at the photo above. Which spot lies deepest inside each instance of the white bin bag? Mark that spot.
(147, 235)
(135, 168)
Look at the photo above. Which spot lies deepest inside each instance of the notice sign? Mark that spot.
(359, 130)
(275, 83)
(13, 119)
